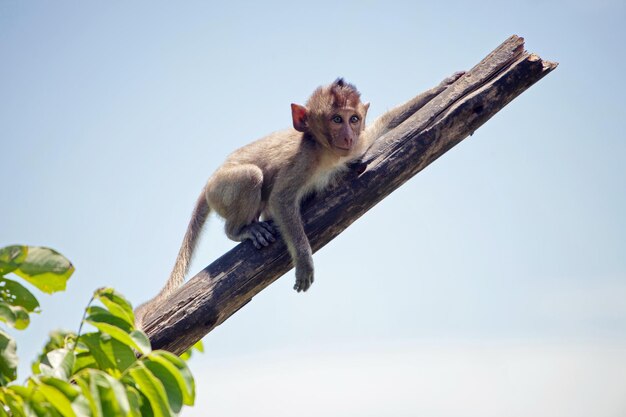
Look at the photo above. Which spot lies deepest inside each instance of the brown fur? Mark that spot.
(268, 178)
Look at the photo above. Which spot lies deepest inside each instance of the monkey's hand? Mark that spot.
(260, 233)
(451, 79)
(358, 166)
(304, 274)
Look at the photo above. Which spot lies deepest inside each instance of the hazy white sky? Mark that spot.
(498, 272)
(426, 379)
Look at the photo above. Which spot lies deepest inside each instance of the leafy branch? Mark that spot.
(111, 371)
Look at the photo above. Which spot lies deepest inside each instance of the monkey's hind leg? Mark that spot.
(235, 194)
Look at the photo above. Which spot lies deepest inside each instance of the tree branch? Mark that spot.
(231, 281)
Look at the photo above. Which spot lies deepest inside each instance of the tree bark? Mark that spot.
(230, 282)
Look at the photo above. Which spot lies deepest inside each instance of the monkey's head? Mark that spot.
(333, 115)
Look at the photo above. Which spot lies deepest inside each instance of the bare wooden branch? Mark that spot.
(230, 282)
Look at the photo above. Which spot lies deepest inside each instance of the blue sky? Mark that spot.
(508, 250)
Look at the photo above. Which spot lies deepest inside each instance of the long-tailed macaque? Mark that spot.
(267, 179)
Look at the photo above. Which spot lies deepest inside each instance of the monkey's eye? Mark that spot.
(354, 119)
(337, 119)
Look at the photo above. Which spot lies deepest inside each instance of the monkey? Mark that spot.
(267, 179)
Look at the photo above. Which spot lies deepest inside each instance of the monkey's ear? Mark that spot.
(366, 107)
(299, 116)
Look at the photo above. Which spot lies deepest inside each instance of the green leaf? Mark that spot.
(146, 407)
(113, 331)
(15, 402)
(168, 379)
(70, 391)
(106, 394)
(16, 294)
(186, 355)
(199, 346)
(14, 316)
(78, 403)
(110, 355)
(117, 304)
(95, 344)
(57, 339)
(121, 354)
(113, 394)
(58, 399)
(41, 408)
(97, 310)
(46, 269)
(23, 392)
(58, 363)
(22, 319)
(141, 340)
(2, 412)
(109, 318)
(93, 401)
(177, 367)
(8, 359)
(134, 339)
(151, 388)
(134, 400)
(84, 360)
(11, 257)
(6, 314)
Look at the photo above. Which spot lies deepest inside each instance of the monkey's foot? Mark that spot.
(451, 79)
(304, 277)
(260, 233)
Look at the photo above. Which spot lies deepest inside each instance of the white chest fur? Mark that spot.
(323, 177)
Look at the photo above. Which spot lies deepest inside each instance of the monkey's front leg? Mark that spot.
(286, 214)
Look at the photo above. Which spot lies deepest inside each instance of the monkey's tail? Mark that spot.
(177, 277)
(190, 241)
